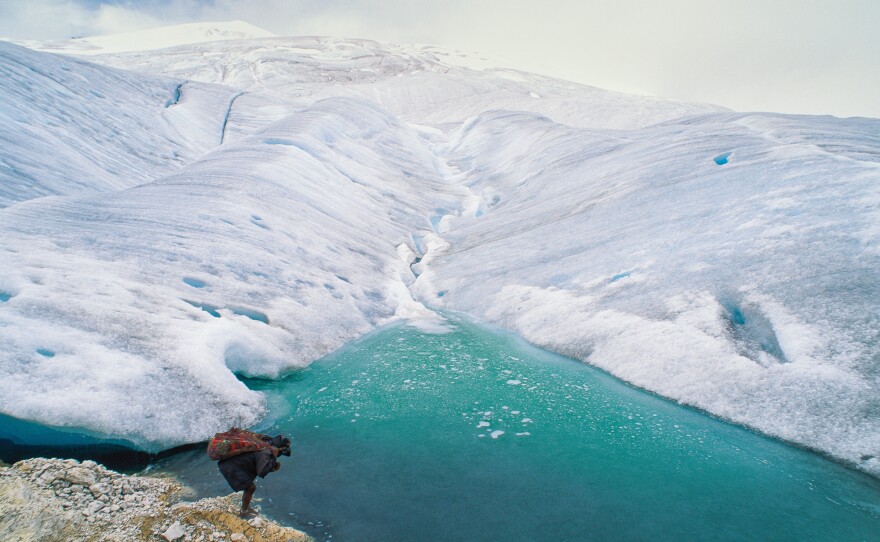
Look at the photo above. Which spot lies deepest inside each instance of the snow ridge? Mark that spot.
(70, 127)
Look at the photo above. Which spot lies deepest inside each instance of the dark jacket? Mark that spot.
(241, 470)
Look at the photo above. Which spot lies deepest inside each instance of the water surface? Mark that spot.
(474, 435)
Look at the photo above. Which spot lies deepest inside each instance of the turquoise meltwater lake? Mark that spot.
(469, 433)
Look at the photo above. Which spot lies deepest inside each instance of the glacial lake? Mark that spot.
(469, 433)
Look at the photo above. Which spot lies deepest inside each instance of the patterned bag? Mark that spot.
(234, 442)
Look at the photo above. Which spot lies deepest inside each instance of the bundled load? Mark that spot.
(237, 441)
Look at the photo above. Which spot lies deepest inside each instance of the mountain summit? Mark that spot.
(153, 38)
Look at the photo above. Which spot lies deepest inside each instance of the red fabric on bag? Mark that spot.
(234, 442)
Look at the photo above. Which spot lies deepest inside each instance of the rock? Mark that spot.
(103, 506)
(81, 476)
(238, 537)
(99, 488)
(174, 532)
(94, 506)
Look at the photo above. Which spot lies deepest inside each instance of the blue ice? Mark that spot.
(722, 159)
(252, 314)
(195, 283)
(210, 309)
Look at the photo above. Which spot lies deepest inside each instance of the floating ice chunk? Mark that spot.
(483, 424)
(523, 434)
(514, 382)
(527, 420)
(497, 433)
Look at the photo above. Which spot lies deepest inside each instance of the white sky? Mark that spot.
(797, 56)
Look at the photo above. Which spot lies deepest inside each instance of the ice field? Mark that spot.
(245, 207)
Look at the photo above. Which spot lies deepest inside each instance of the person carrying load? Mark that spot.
(243, 455)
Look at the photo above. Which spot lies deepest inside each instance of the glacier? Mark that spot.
(256, 203)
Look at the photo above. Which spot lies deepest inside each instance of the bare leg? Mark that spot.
(246, 499)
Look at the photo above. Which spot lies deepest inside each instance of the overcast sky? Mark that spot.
(798, 56)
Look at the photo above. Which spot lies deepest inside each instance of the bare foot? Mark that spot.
(249, 513)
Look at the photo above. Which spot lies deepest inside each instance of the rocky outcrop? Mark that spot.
(50, 500)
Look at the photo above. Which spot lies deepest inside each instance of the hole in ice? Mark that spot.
(723, 158)
(210, 309)
(441, 293)
(175, 97)
(619, 276)
(867, 457)
(257, 221)
(195, 283)
(5, 296)
(735, 315)
(435, 219)
(753, 333)
(251, 313)
(45, 352)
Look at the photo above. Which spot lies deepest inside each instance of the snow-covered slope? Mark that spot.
(69, 127)
(729, 261)
(127, 312)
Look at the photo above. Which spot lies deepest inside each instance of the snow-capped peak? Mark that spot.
(154, 38)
